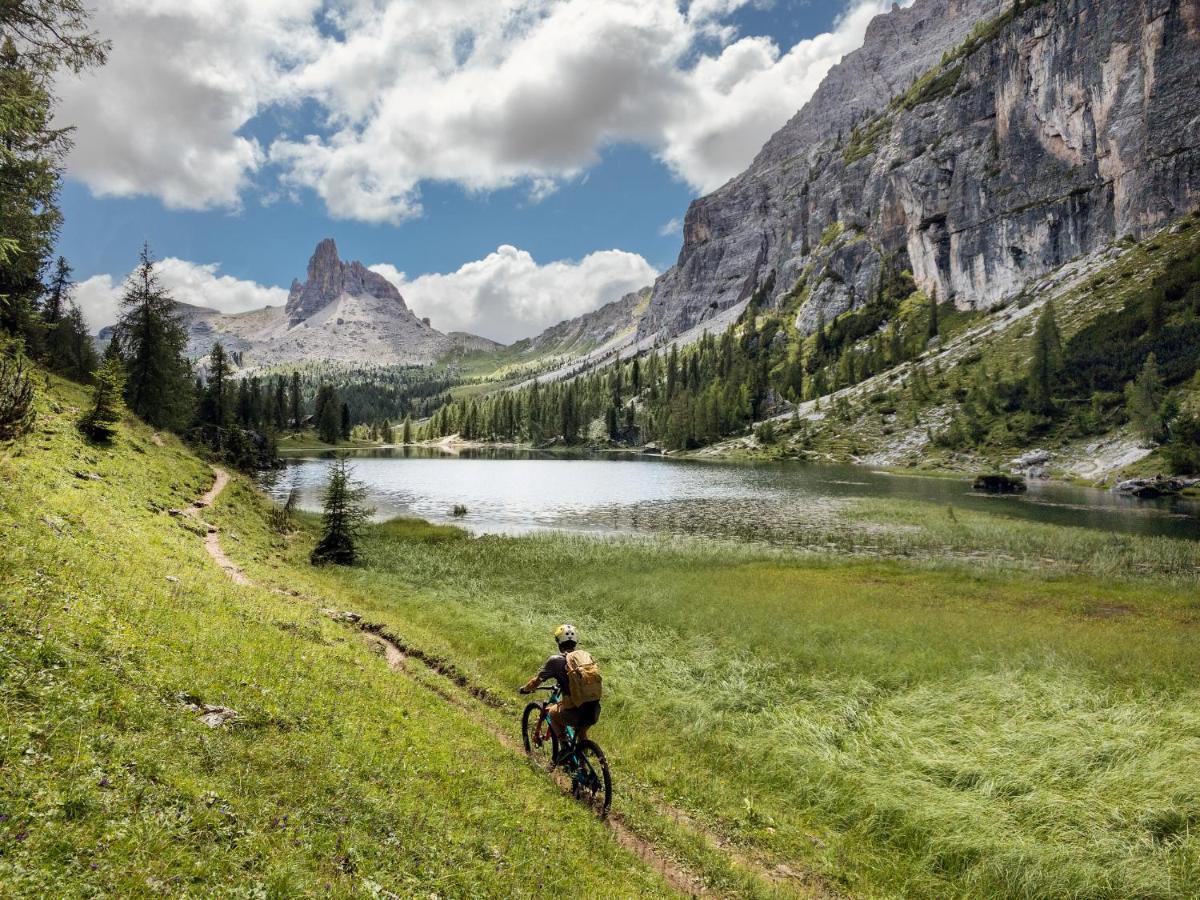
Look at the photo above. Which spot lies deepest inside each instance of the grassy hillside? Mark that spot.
(1019, 722)
(338, 777)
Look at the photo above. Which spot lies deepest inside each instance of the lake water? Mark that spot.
(515, 492)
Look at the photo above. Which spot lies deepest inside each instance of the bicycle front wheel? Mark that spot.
(591, 783)
(541, 746)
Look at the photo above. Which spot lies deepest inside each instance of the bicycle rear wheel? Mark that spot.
(541, 746)
(591, 782)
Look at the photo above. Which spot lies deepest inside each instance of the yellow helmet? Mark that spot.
(564, 634)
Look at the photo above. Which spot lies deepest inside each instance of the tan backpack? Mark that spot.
(583, 677)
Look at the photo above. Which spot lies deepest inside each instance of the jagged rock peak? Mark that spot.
(330, 278)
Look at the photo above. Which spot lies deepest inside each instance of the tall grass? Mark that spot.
(938, 729)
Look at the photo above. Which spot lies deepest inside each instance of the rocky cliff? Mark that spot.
(977, 144)
(342, 312)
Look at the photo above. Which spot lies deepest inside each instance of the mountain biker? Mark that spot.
(561, 667)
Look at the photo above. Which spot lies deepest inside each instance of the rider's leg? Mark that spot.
(556, 722)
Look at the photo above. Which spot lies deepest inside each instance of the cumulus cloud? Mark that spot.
(164, 116)
(508, 295)
(481, 93)
(198, 284)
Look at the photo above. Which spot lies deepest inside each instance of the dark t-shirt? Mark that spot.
(556, 667)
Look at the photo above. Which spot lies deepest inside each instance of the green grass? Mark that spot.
(339, 777)
(308, 440)
(930, 728)
(1001, 710)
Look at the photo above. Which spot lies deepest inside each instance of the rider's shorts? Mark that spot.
(582, 716)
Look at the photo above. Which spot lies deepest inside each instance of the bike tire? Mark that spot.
(542, 752)
(594, 783)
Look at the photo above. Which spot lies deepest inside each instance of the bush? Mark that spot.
(16, 397)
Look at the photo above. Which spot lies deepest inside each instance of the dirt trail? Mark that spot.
(396, 654)
(212, 539)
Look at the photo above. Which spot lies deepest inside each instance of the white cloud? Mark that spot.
(671, 227)
(482, 93)
(163, 116)
(505, 296)
(508, 295)
(198, 284)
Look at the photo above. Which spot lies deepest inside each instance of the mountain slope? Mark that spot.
(1024, 141)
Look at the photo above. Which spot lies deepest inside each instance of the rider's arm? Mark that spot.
(545, 674)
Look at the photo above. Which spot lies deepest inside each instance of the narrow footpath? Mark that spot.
(396, 654)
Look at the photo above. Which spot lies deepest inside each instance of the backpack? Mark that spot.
(583, 678)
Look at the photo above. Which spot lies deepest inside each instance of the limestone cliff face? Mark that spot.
(1028, 138)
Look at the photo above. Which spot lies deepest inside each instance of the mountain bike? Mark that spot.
(582, 762)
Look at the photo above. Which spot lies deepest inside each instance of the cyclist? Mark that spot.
(566, 667)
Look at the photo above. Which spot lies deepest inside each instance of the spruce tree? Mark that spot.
(100, 423)
(37, 39)
(328, 414)
(279, 406)
(345, 422)
(406, 434)
(296, 400)
(58, 293)
(1046, 362)
(342, 517)
(69, 346)
(215, 407)
(1144, 402)
(153, 342)
(934, 325)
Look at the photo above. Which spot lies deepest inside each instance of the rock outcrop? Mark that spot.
(976, 146)
(342, 313)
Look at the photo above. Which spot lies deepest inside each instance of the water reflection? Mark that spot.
(516, 491)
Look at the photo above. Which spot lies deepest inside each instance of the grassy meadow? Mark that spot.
(338, 777)
(901, 728)
(997, 708)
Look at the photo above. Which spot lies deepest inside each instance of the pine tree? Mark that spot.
(279, 406)
(100, 423)
(406, 434)
(296, 400)
(153, 342)
(69, 347)
(1046, 363)
(934, 324)
(345, 422)
(215, 407)
(1144, 402)
(328, 414)
(37, 38)
(343, 515)
(58, 293)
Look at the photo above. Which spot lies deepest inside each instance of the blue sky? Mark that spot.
(233, 182)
